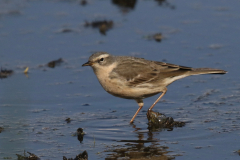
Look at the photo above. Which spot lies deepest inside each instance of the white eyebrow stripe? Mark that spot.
(101, 56)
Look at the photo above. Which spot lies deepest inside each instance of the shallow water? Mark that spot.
(33, 107)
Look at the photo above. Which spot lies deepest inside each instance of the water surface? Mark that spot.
(33, 108)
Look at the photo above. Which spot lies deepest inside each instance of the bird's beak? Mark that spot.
(88, 64)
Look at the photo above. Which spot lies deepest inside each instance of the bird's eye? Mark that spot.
(101, 59)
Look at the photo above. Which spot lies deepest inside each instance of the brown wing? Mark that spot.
(138, 71)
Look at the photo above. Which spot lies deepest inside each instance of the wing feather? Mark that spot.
(136, 71)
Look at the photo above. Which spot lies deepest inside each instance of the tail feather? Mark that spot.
(195, 71)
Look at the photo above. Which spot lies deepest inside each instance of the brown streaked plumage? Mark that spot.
(137, 78)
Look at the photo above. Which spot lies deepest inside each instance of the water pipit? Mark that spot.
(137, 78)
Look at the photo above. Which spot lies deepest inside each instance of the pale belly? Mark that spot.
(120, 89)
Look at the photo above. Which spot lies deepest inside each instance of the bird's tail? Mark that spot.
(196, 71)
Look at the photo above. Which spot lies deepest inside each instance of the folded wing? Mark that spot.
(136, 71)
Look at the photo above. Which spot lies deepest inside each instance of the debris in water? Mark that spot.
(80, 134)
(5, 73)
(158, 120)
(26, 70)
(1, 129)
(165, 3)
(30, 157)
(103, 26)
(66, 30)
(68, 120)
(238, 152)
(157, 37)
(54, 63)
(81, 156)
(83, 2)
(125, 5)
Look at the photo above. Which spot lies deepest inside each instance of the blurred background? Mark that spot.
(53, 38)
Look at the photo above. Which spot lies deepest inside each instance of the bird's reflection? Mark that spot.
(140, 148)
(147, 145)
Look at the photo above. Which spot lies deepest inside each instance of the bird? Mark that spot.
(137, 78)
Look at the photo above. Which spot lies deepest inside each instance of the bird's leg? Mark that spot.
(140, 103)
(163, 93)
